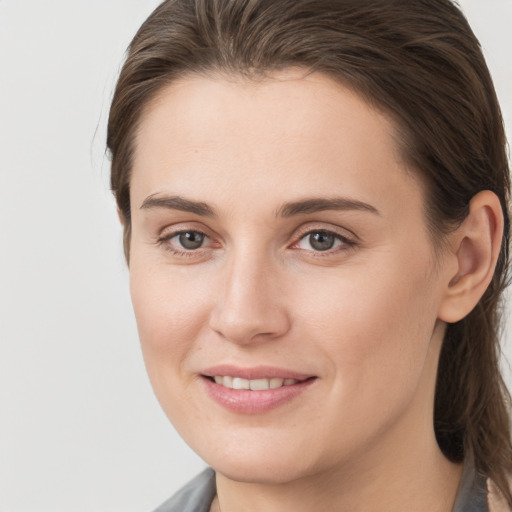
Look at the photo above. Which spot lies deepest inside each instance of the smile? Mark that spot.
(254, 390)
(253, 384)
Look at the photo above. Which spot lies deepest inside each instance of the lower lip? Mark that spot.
(244, 401)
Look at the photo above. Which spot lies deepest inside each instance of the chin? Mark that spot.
(264, 472)
(258, 463)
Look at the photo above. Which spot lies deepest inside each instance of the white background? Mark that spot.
(80, 429)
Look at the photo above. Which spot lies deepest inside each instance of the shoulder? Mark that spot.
(196, 496)
(495, 499)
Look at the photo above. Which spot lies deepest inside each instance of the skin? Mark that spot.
(365, 317)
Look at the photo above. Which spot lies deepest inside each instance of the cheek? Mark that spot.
(170, 315)
(170, 311)
(375, 326)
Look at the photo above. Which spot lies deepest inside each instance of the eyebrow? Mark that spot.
(290, 209)
(177, 203)
(320, 204)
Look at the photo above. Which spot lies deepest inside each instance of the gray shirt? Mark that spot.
(198, 494)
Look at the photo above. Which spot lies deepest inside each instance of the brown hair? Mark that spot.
(419, 62)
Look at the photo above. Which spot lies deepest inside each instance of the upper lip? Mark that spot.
(256, 372)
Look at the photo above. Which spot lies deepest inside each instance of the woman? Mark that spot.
(314, 199)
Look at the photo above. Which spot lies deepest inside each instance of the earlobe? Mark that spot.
(476, 250)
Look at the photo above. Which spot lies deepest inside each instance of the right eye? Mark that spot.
(189, 240)
(184, 242)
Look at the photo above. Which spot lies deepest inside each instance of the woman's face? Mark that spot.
(279, 243)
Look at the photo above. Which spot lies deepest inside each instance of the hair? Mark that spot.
(419, 62)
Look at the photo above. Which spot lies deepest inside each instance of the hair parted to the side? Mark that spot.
(419, 62)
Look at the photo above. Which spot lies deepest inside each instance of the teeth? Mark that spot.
(239, 383)
(259, 384)
(254, 384)
(276, 383)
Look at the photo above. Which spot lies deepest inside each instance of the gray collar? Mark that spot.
(472, 493)
(196, 496)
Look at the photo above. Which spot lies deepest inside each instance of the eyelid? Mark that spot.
(343, 233)
(165, 236)
(171, 233)
(177, 228)
(347, 238)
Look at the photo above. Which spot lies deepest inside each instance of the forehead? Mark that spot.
(290, 131)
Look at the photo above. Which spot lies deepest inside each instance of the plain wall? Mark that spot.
(80, 429)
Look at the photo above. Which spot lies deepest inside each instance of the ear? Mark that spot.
(477, 244)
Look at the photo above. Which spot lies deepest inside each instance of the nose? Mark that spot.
(249, 305)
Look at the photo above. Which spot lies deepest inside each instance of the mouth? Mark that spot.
(262, 384)
(254, 390)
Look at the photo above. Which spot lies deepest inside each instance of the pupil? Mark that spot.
(191, 240)
(321, 241)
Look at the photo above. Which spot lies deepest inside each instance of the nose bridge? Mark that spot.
(248, 306)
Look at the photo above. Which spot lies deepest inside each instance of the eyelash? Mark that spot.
(346, 243)
(187, 253)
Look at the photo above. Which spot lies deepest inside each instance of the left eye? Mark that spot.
(189, 240)
(320, 241)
